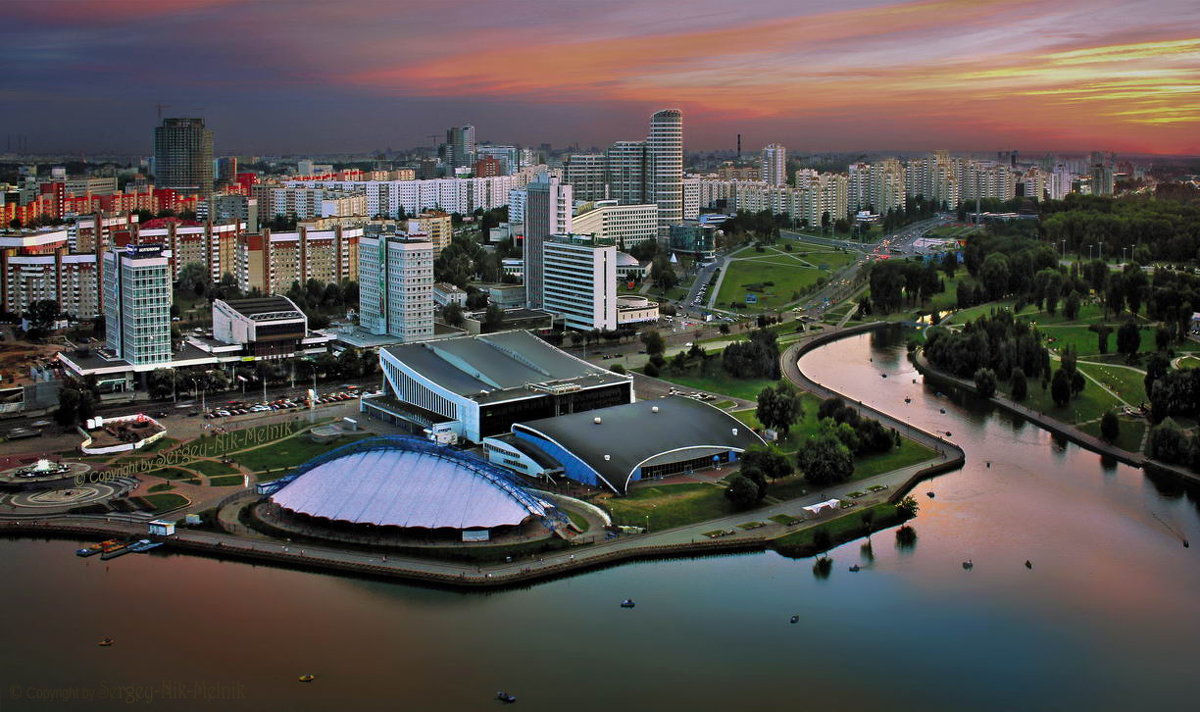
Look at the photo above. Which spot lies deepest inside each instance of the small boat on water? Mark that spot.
(628, 603)
(505, 697)
(118, 548)
(943, 410)
(907, 400)
(930, 495)
(883, 374)
(855, 568)
(794, 619)
(107, 642)
(307, 678)
(1028, 564)
(144, 545)
(968, 565)
(95, 548)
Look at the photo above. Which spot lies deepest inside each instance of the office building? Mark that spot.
(664, 148)
(396, 285)
(183, 156)
(460, 147)
(625, 225)
(579, 281)
(137, 304)
(548, 211)
(588, 175)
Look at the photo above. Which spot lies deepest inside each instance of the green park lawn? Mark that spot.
(745, 388)
(909, 453)
(1189, 362)
(211, 468)
(227, 481)
(290, 452)
(1091, 404)
(165, 500)
(1128, 383)
(669, 505)
(790, 273)
(841, 529)
(174, 473)
(798, 433)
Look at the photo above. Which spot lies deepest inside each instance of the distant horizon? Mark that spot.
(298, 77)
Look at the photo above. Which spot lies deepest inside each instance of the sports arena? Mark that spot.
(403, 488)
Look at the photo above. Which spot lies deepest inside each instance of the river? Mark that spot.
(1105, 620)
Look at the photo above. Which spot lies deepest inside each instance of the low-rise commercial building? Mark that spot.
(470, 387)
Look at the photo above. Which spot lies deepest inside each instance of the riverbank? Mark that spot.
(1069, 432)
(752, 530)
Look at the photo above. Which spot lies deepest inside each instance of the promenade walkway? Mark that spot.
(684, 541)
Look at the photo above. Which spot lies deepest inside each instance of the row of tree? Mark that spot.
(1160, 229)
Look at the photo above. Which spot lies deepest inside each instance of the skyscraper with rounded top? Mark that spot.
(665, 148)
(183, 156)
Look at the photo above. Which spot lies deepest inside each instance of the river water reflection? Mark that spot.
(1105, 619)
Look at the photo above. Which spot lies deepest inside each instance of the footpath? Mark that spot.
(593, 552)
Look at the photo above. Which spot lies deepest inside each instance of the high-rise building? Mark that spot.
(183, 156)
(509, 157)
(548, 211)
(137, 304)
(460, 146)
(627, 173)
(396, 285)
(587, 174)
(227, 168)
(664, 148)
(580, 281)
(773, 164)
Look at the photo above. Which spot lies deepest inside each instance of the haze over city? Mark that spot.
(293, 76)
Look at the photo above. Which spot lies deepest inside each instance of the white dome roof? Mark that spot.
(393, 486)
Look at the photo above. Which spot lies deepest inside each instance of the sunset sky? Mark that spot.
(275, 76)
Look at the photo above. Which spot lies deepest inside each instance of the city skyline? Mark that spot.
(286, 77)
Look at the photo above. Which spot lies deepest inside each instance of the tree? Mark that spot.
(1110, 427)
(824, 460)
(653, 341)
(1129, 339)
(1156, 368)
(778, 408)
(662, 273)
(1018, 384)
(985, 382)
(160, 382)
(772, 464)
(452, 314)
(995, 275)
(908, 507)
(1060, 388)
(68, 406)
(493, 319)
(1163, 338)
(42, 314)
(1102, 332)
(1071, 306)
(741, 492)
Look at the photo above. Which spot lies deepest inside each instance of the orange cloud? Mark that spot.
(904, 61)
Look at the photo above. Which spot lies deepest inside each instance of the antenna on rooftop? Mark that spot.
(160, 107)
